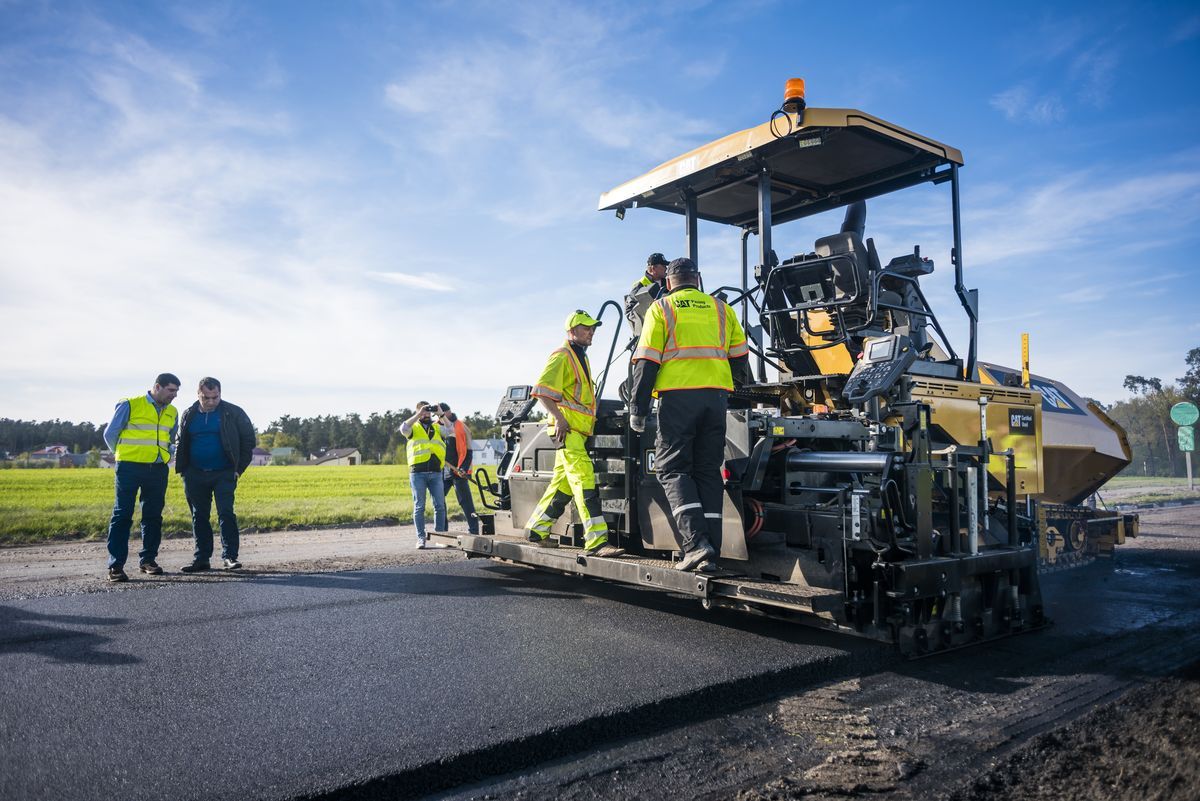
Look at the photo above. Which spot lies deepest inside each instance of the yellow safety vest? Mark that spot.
(421, 447)
(566, 380)
(693, 336)
(146, 438)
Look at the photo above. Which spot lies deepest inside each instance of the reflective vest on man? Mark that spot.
(422, 447)
(146, 438)
(692, 335)
(566, 380)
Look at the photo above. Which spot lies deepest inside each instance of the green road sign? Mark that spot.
(1184, 413)
(1187, 439)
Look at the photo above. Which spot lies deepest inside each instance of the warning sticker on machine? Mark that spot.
(1020, 421)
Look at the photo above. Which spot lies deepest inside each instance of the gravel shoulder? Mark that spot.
(67, 567)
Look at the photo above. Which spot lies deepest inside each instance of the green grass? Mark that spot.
(1147, 489)
(37, 505)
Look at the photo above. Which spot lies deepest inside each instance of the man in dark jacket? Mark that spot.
(216, 441)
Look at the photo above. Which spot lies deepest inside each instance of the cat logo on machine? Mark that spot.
(1020, 421)
(1053, 399)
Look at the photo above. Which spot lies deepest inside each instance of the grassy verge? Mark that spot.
(37, 505)
(1141, 489)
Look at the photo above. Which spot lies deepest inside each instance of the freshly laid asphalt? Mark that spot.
(383, 683)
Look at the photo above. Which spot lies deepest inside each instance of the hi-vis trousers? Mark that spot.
(575, 479)
(688, 457)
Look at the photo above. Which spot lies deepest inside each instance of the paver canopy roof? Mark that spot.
(835, 157)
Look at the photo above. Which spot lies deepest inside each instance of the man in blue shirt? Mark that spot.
(141, 434)
(216, 443)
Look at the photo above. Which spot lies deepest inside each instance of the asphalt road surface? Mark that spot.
(427, 676)
(484, 680)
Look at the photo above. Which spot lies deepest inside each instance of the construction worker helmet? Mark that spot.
(580, 317)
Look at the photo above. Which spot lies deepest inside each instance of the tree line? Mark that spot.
(23, 436)
(1146, 418)
(377, 436)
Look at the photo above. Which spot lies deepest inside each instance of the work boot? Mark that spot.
(542, 542)
(696, 558)
(116, 574)
(195, 567)
(605, 551)
(151, 567)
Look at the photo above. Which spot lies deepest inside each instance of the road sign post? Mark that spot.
(1184, 415)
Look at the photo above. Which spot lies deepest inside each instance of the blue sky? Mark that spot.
(338, 207)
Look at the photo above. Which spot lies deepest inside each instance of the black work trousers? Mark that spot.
(201, 488)
(689, 454)
(462, 491)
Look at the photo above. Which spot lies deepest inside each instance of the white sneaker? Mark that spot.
(231, 564)
(421, 545)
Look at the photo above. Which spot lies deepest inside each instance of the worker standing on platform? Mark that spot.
(691, 353)
(647, 290)
(565, 388)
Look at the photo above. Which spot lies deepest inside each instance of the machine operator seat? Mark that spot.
(850, 274)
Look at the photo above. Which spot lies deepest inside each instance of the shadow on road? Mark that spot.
(22, 631)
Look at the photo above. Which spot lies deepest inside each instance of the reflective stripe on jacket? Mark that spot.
(146, 438)
(566, 381)
(421, 447)
(693, 336)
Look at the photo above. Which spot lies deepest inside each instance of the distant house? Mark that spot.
(282, 453)
(335, 456)
(50, 453)
(487, 451)
(260, 457)
(107, 460)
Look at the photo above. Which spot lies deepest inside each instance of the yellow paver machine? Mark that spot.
(877, 481)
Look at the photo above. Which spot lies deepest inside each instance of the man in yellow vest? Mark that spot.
(691, 353)
(565, 388)
(142, 435)
(426, 452)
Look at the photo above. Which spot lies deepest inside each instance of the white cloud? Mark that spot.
(537, 114)
(1019, 103)
(428, 281)
(1070, 210)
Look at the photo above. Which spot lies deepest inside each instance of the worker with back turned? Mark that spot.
(691, 353)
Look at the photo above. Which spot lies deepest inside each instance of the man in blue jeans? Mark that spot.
(426, 456)
(141, 434)
(216, 443)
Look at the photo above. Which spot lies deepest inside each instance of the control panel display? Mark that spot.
(884, 360)
(515, 404)
(880, 350)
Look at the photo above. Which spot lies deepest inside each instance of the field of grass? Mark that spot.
(37, 505)
(1147, 489)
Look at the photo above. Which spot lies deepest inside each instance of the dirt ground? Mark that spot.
(1113, 718)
